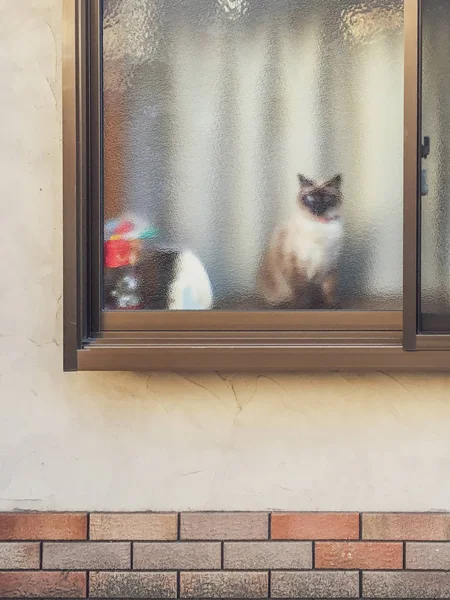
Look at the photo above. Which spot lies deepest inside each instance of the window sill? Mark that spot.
(191, 351)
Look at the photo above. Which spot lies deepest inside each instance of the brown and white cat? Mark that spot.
(299, 269)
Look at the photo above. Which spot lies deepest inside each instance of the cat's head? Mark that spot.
(322, 201)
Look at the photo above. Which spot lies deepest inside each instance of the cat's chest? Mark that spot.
(317, 246)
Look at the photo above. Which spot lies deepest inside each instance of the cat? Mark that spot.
(299, 268)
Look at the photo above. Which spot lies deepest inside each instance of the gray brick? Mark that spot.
(224, 585)
(177, 555)
(133, 585)
(406, 526)
(87, 555)
(428, 556)
(19, 555)
(315, 584)
(224, 526)
(388, 584)
(268, 555)
(133, 526)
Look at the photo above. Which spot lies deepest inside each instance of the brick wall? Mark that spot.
(224, 555)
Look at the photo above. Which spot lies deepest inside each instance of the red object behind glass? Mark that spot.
(118, 253)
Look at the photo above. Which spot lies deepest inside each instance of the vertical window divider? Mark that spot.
(411, 191)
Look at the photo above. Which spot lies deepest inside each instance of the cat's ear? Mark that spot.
(304, 181)
(335, 182)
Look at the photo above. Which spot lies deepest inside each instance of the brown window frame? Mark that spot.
(184, 340)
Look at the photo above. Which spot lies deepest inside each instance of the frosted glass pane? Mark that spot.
(212, 109)
(436, 125)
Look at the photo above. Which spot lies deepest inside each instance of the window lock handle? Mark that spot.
(426, 147)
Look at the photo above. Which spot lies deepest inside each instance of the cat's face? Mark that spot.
(321, 200)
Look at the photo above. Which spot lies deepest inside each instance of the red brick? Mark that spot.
(359, 555)
(43, 526)
(134, 526)
(315, 526)
(42, 584)
(406, 526)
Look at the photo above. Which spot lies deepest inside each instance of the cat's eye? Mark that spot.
(187, 124)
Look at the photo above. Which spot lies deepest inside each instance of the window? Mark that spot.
(256, 184)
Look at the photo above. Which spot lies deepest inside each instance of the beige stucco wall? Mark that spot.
(167, 441)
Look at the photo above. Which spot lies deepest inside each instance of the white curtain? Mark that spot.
(223, 102)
